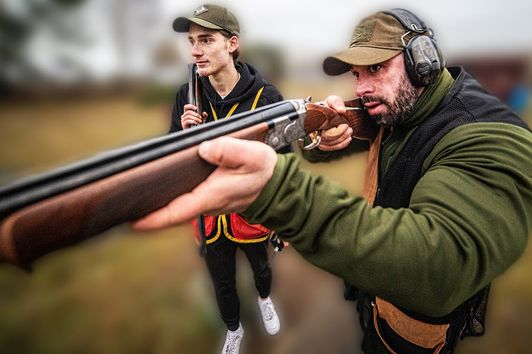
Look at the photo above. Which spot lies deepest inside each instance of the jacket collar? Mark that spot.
(250, 81)
(430, 99)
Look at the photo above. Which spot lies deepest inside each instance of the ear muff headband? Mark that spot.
(423, 59)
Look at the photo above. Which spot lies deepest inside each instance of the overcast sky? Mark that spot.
(319, 27)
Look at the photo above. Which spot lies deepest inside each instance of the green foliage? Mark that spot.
(267, 59)
(69, 3)
(157, 95)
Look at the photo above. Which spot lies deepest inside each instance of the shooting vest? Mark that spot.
(389, 329)
(232, 226)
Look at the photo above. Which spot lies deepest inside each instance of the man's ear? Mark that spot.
(234, 44)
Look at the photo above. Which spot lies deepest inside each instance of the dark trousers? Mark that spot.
(221, 262)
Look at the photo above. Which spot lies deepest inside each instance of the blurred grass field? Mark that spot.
(148, 293)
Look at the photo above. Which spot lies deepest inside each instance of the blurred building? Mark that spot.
(507, 77)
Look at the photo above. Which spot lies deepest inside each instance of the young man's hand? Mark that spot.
(191, 117)
(244, 169)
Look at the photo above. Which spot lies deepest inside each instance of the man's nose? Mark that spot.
(196, 50)
(363, 87)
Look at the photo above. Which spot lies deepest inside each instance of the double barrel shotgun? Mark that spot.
(56, 209)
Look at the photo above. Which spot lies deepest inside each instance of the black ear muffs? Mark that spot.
(423, 59)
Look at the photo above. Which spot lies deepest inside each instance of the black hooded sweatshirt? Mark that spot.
(244, 94)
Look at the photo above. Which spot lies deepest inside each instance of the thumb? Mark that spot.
(226, 151)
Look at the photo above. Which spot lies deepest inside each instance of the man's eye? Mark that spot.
(374, 68)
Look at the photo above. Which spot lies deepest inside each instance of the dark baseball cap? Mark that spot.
(377, 38)
(209, 16)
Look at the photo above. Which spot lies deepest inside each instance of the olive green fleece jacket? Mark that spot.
(468, 220)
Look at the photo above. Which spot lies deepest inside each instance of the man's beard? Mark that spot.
(399, 110)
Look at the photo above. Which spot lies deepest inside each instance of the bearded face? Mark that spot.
(398, 108)
(386, 91)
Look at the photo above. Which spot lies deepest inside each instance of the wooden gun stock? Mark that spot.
(73, 216)
(356, 117)
(68, 217)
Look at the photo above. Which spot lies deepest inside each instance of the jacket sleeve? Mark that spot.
(317, 155)
(177, 109)
(468, 221)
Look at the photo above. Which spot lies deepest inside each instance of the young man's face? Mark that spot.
(212, 51)
(386, 90)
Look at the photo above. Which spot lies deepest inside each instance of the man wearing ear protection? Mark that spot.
(447, 203)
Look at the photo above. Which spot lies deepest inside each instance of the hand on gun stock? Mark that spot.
(243, 169)
(337, 134)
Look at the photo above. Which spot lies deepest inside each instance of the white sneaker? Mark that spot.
(232, 341)
(269, 316)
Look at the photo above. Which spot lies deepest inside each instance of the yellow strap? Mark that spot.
(256, 100)
(218, 232)
(235, 106)
(223, 218)
(234, 239)
(231, 111)
(215, 116)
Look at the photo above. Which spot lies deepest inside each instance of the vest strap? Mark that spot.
(221, 223)
(425, 335)
(235, 106)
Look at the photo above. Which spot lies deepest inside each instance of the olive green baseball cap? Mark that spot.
(377, 38)
(209, 16)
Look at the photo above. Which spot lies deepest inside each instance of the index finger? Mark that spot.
(336, 103)
(178, 211)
